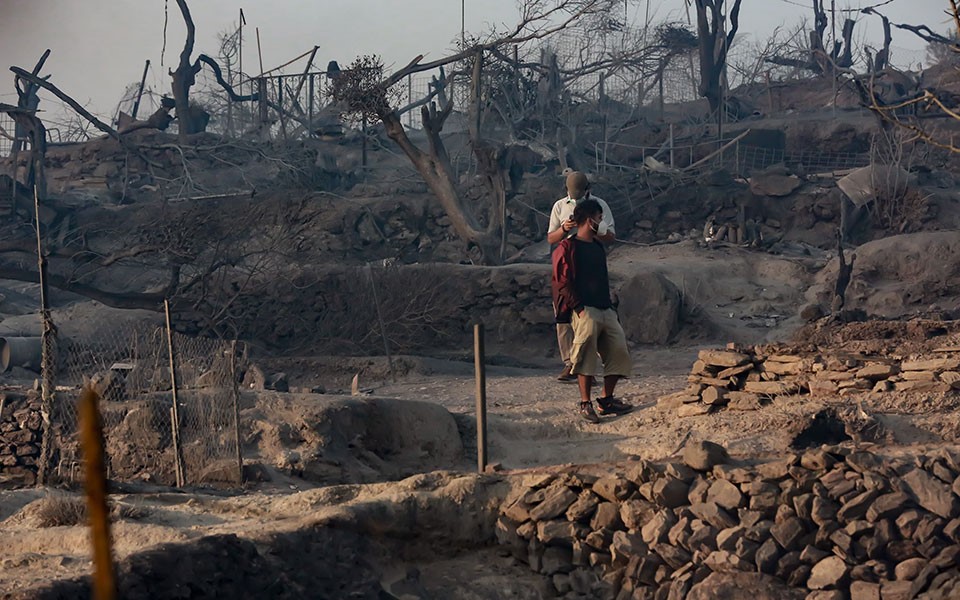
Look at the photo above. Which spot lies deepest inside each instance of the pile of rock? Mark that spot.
(743, 378)
(837, 522)
(21, 427)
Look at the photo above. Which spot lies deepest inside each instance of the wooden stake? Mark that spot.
(91, 441)
(174, 410)
(480, 367)
(236, 409)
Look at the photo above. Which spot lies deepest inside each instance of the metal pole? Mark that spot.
(363, 147)
(143, 82)
(463, 25)
(410, 99)
(383, 329)
(481, 373)
(236, 409)
(242, 21)
(259, 51)
(833, 44)
(310, 106)
(174, 410)
(671, 146)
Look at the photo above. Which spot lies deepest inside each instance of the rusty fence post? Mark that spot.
(481, 376)
(175, 408)
(91, 441)
(236, 409)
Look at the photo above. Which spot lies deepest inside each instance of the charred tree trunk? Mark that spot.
(184, 77)
(435, 168)
(882, 59)
(715, 41)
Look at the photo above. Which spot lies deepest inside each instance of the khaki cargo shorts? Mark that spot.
(596, 331)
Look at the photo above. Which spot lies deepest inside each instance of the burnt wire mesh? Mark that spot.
(129, 366)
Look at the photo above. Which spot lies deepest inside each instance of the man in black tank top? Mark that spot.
(581, 290)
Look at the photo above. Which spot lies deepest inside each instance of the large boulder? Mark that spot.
(650, 309)
(898, 275)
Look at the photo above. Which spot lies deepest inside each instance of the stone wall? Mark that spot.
(20, 432)
(742, 378)
(832, 523)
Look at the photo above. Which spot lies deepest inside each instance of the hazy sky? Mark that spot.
(99, 46)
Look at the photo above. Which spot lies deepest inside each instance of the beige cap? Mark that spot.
(577, 185)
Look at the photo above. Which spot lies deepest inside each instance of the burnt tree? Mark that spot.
(189, 119)
(715, 38)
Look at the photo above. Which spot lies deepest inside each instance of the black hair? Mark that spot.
(585, 210)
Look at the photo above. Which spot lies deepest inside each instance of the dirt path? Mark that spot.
(533, 420)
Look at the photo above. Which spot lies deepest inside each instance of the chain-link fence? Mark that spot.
(168, 402)
(7, 133)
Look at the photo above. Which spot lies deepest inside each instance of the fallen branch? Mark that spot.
(717, 151)
(53, 89)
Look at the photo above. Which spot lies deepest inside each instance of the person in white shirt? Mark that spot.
(561, 226)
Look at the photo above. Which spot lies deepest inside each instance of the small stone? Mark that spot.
(722, 561)
(825, 595)
(600, 539)
(556, 560)
(788, 563)
(670, 492)
(727, 538)
(713, 396)
(877, 371)
(936, 364)
(634, 513)
(823, 510)
(703, 539)
(584, 507)
(908, 521)
(698, 490)
(734, 371)
(528, 530)
(679, 534)
(788, 533)
(743, 401)
(561, 583)
(856, 507)
(711, 513)
(932, 387)
(613, 489)
(607, 516)
(518, 511)
(931, 494)
(725, 494)
(704, 455)
(682, 472)
(626, 545)
(673, 556)
(759, 531)
(864, 590)
(771, 388)
(888, 505)
(909, 569)
(656, 530)
(723, 358)
(767, 556)
(554, 504)
(811, 555)
(693, 410)
(556, 532)
(895, 590)
(829, 573)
